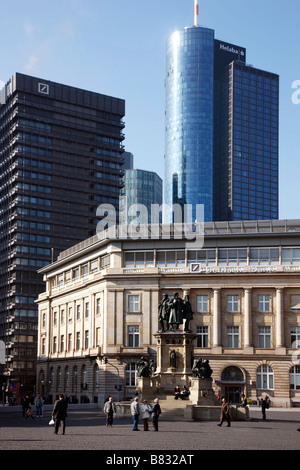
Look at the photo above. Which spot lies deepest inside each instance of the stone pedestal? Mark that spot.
(201, 392)
(174, 359)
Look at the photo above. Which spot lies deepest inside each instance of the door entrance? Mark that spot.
(233, 394)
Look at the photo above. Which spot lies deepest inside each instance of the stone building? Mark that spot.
(99, 312)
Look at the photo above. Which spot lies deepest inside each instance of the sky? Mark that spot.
(117, 48)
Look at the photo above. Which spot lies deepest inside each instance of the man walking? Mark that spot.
(60, 413)
(135, 411)
(109, 409)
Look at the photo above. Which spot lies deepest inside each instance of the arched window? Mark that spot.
(131, 374)
(67, 378)
(96, 376)
(295, 378)
(83, 378)
(232, 374)
(59, 378)
(265, 377)
(74, 384)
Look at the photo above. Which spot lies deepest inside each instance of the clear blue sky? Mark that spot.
(117, 47)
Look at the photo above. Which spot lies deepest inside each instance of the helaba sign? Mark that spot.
(227, 48)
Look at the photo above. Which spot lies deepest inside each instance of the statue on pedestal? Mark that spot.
(163, 313)
(176, 312)
(173, 358)
(201, 369)
(187, 313)
(143, 368)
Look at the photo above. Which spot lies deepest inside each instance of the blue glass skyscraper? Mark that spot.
(189, 119)
(221, 137)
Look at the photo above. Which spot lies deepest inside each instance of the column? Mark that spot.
(217, 348)
(247, 322)
(280, 349)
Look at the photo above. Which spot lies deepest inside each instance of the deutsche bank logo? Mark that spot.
(44, 88)
(2, 352)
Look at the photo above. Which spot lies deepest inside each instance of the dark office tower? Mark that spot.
(221, 139)
(60, 158)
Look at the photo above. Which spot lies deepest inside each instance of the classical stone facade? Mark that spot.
(101, 301)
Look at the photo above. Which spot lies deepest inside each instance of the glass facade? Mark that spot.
(222, 132)
(140, 187)
(189, 119)
(253, 149)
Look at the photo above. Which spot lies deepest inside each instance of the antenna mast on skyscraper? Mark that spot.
(196, 13)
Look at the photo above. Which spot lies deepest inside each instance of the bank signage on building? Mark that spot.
(197, 268)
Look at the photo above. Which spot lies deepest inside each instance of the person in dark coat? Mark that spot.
(156, 411)
(225, 412)
(59, 413)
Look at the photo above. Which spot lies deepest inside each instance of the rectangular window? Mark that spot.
(202, 336)
(232, 303)
(54, 344)
(202, 303)
(78, 312)
(84, 270)
(295, 337)
(70, 344)
(134, 303)
(62, 317)
(233, 337)
(133, 337)
(264, 337)
(87, 310)
(98, 337)
(86, 339)
(264, 303)
(77, 340)
(98, 306)
(62, 343)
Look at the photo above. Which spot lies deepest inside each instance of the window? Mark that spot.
(86, 339)
(62, 343)
(84, 270)
(202, 336)
(78, 312)
(295, 337)
(70, 343)
(87, 310)
(264, 377)
(233, 337)
(131, 374)
(232, 303)
(133, 336)
(54, 344)
(264, 303)
(98, 337)
(77, 340)
(264, 337)
(202, 303)
(134, 303)
(94, 266)
(98, 306)
(62, 316)
(295, 378)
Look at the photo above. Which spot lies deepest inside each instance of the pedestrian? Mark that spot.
(59, 413)
(29, 413)
(265, 405)
(146, 410)
(243, 401)
(39, 403)
(135, 411)
(184, 393)
(225, 413)
(156, 411)
(109, 409)
(25, 405)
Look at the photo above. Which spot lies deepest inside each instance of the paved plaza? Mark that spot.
(86, 430)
